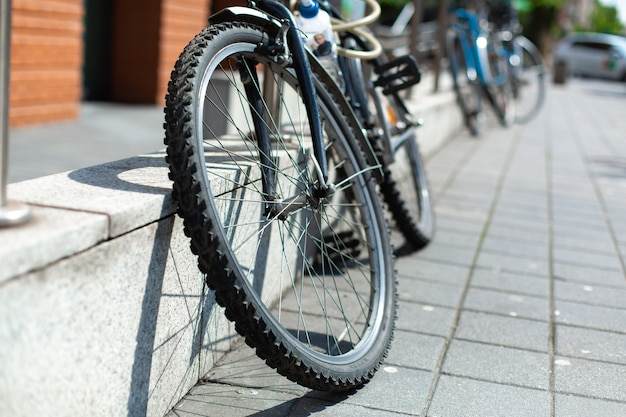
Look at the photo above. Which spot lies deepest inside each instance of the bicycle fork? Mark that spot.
(277, 207)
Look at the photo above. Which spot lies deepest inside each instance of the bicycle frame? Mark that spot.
(393, 77)
(474, 44)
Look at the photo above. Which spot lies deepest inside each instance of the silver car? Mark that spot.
(596, 55)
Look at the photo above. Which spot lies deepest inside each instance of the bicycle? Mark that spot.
(390, 126)
(479, 68)
(276, 183)
(526, 70)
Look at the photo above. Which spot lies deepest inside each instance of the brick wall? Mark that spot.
(46, 57)
(47, 53)
(147, 39)
(181, 21)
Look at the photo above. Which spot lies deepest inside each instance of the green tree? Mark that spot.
(539, 19)
(605, 19)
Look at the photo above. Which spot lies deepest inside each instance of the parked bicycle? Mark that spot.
(276, 180)
(489, 57)
(526, 69)
(375, 96)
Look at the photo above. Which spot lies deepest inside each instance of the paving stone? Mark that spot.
(425, 318)
(506, 281)
(510, 246)
(504, 331)
(313, 407)
(454, 206)
(456, 225)
(416, 267)
(588, 222)
(394, 389)
(208, 400)
(574, 208)
(241, 367)
(429, 292)
(590, 378)
(536, 214)
(497, 364)
(516, 264)
(538, 236)
(577, 230)
(415, 350)
(590, 294)
(588, 275)
(591, 344)
(519, 208)
(570, 405)
(514, 305)
(570, 210)
(593, 317)
(583, 257)
(462, 240)
(461, 397)
(515, 223)
(447, 253)
(601, 246)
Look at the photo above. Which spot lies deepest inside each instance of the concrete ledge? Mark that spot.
(103, 308)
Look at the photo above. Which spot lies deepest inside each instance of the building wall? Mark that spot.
(46, 56)
(180, 21)
(47, 51)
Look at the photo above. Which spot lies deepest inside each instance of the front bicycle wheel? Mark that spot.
(307, 278)
(466, 85)
(528, 79)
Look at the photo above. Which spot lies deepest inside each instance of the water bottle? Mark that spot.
(318, 36)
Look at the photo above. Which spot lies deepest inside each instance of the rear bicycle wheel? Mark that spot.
(466, 86)
(406, 191)
(308, 279)
(404, 186)
(528, 79)
(498, 86)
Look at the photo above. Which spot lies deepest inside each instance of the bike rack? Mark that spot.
(11, 213)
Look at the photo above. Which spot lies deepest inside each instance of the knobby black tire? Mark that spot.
(406, 191)
(467, 87)
(313, 292)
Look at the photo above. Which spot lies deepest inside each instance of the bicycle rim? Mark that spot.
(311, 288)
(528, 80)
(466, 85)
(499, 89)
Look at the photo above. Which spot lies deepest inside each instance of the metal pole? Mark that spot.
(10, 213)
(442, 27)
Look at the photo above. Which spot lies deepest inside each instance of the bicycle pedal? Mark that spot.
(397, 75)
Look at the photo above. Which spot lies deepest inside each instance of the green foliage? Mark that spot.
(605, 19)
(393, 4)
(546, 3)
(539, 20)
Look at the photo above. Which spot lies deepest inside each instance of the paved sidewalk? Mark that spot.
(518, 308)
(104, 132)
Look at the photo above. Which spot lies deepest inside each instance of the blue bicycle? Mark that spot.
(479, 68)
